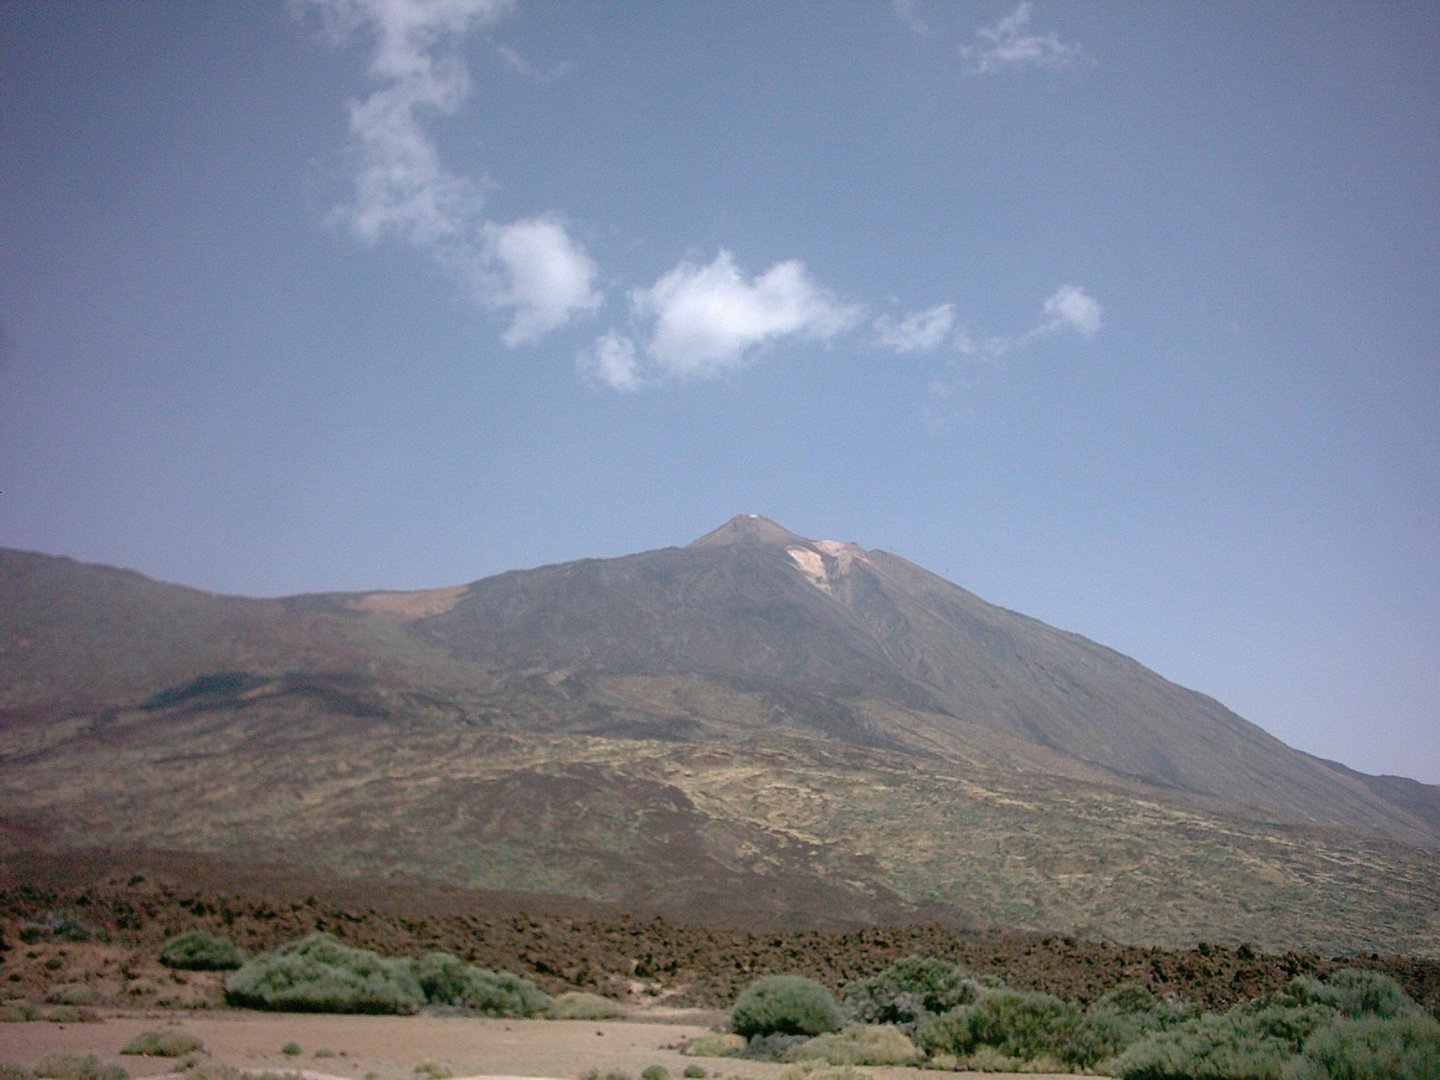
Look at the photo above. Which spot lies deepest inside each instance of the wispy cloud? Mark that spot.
(921, 331)
(1068, 308)
(531, 269)
(1010, 45)
(521, 66)
(905, 11)
(699, 321)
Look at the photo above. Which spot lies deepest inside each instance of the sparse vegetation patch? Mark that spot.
(579, 1005)
(195, 950)
(171, 1043)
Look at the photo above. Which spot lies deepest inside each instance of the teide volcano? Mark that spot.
(757, 726)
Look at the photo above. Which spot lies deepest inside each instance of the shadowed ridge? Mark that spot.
(749, 529)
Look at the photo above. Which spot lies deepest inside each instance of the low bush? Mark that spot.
(19, 1012)
(78, 1067)
(785, 1005)
(1405, 1047)
(172, 1043)
(1120, 1019)
(291, 1049)
(694, 1072)
(319, 974)
(860, 1044)
(1253, 1041)
(69, 1014)
(1354, 993)
(655, 1072)
(196, 950)
(911, 991)
(448, 980)
(59, 926)
(1019, 1025)
(72, 994)
(727, 1045)
(205, 1069)
(818, 1070)
(773, 1048)
(578, 1005)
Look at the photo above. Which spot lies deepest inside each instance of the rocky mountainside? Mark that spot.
(757, 724)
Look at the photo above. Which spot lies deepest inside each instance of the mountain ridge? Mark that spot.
(791, 722)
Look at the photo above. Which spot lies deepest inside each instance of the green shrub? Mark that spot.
(196, 950)
(694, 1072)
(78, 1067)
(578, 1005)
(434, 1070)
(163, 1044)
(727, 1045)
(1253, 1041)
(1017, 1025)
(1354, 993)
(448, 980)
(910, 991)
(785, 1005)
(1403, 1047)
(291, 1049)
(319, 974)
(1119, 1019)
(14, 1072)
(655, 1072)
(860, 1044)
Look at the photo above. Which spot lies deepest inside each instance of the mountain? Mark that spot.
(755, 726)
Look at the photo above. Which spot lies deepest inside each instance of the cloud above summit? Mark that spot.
(1010, 45)
(530, 270)
(701, 320)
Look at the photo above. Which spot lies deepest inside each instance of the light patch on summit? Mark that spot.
(409, 606)
(841, 552)
(811, 565)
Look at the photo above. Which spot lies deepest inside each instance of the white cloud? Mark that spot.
(920, 331)
(906, 13)
(612, 360)
(540, 273)
(1071, 306)
(705, 319)
(402, 191)
(1010, 46)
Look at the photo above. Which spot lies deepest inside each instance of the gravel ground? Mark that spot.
(391, 1047)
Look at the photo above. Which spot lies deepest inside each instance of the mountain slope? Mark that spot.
(757, 726)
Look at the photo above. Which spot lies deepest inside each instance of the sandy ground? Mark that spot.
(390, 1047)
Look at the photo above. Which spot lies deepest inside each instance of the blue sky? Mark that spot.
(1121, 315)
